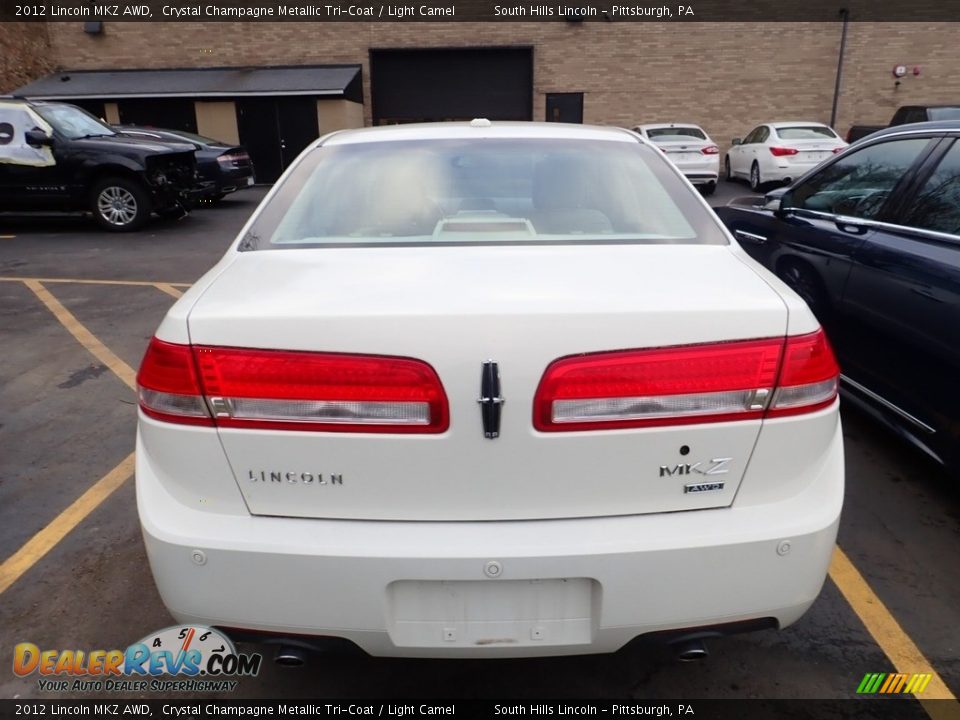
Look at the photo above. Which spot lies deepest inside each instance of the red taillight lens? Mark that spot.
(168, 385)
(293, 390)
(687, 384)
(232, 158)
(809, 378)
(710, 150)
(781, 151)
(837, 150)
(663, 386)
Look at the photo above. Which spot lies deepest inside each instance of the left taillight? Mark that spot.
(296, 390)
(716, 382)
(169, 387)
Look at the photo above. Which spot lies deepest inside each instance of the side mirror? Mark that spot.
(736, 141)
(37, 138)
(773, 200)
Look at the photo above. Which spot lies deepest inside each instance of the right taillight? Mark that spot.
(715, 382)
(290, 390)
(809, 377)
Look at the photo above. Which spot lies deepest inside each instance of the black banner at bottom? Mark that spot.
(905, 708)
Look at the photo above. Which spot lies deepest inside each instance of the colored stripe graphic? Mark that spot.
(894, 683)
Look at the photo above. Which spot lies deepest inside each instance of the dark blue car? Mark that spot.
(871, 240)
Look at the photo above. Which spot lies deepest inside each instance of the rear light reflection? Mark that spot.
(690, 384)
(247, 388)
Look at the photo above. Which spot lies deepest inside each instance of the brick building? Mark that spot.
(725, 76)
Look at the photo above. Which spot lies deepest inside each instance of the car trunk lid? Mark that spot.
(456, 308)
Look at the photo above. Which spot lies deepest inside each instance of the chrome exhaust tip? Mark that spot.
(690, 650)
(290, 657)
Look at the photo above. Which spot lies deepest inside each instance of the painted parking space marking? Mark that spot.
(169, 289)
(46, 539)
(32, 551)
(87, 281)
(892, 639)
(84, 336)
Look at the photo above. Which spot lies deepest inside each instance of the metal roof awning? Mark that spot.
(342, 81)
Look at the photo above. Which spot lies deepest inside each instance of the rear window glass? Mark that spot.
(944, 113)
(480, 192)
(812, 132)
(676, 133)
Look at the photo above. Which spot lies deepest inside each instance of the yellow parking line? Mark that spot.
(7, 237)
(895, 643)
(40, 544)
(84, 281)
(84, 336)
(169, 289)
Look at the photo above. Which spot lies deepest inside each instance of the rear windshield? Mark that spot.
(676, 133)
(812, 132)
(482, 191)
(944, 113)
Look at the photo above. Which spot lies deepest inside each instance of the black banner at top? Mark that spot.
(569, 11)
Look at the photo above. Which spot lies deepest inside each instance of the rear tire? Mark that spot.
(756, 182)
(709, 189)
(726, 168)
(119, 204)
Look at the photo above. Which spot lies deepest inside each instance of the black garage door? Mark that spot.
(461, 84)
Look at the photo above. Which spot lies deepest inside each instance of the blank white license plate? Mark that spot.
(490, 613)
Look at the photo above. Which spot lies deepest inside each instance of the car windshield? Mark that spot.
(806, 132)
(480, 192)
(669, 134)
(73, 122)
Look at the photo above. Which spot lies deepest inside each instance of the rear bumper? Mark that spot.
(423, 589)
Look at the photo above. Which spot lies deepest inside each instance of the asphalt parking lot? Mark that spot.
(77, 308)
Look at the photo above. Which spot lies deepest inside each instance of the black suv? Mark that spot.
(57, 157)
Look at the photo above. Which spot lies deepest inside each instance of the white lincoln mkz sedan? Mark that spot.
(487, 390)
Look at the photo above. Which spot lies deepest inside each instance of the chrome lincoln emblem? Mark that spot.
(491, 401)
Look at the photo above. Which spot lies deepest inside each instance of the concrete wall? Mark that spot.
(218, 120)
(726, 76)
(338, 115)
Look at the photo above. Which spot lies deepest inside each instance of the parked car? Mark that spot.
(57, 157)
(221, 167)
(486, 390)
(871, 240)
(780, 152)
(690, 149)
(907, 114)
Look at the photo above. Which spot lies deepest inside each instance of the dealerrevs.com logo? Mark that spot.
(201, 658)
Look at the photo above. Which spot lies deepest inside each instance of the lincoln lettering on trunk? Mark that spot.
(294, 478)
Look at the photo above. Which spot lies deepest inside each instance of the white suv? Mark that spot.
(488, 390)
